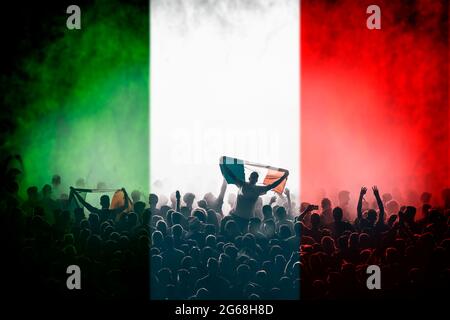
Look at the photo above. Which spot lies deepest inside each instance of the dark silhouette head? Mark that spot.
(157, 238)
(177, 231)
(161, 226)
(253, 177)
(213, 266)
(280, 213)
(46, 191)
(80, 183)
(392, 207)
(210, 199)
(56, 180)
(136, 195)
(32, 193)
(139, 207)
(337, 214)
(104, 201)
(344, 197)
(202, 204)
(188, 199)
(254, 225)
(425, 197)
(325, 204)
(210, 229)
(315, 220)
(152, 200)
(391, 220)
(231, 228)
(101, 185)
(267, 211)
(200, 214)
(410, 213)
(386, 197)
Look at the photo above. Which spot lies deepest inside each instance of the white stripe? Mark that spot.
(224, 81)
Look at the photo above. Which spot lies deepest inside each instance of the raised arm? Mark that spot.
(236, 180)
(223, 189)
(288, 196)
(360, 200)
(380, 204)
(276, 183)
(307, 211)
(178, 197)
(88, 206)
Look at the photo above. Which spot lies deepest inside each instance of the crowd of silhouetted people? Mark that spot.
(413, 253)
(196, 251)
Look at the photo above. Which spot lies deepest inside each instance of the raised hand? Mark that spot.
(375, 191)
(363, 191)
(287, 192)
(360, 201)
(178, 197)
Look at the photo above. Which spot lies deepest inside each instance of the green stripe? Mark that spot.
(87, 97)
(235, 165)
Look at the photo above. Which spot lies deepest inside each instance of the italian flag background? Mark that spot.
(301, 85)
(150, 94)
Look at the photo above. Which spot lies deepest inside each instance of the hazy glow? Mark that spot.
(84, 102)
(224, 81)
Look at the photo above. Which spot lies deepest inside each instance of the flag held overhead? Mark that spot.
(242, 170)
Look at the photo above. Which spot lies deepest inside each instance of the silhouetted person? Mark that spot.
(152, 202)
(32, 200)
(136, 196)
(48, 203)
(216, 203)
(248, 195)
(327, 211)
(56, 187)
(339, 226)
(104, 212)
(344, 200)
(188, 199)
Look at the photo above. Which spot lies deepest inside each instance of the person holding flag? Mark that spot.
(249, 192)
(106, 212)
